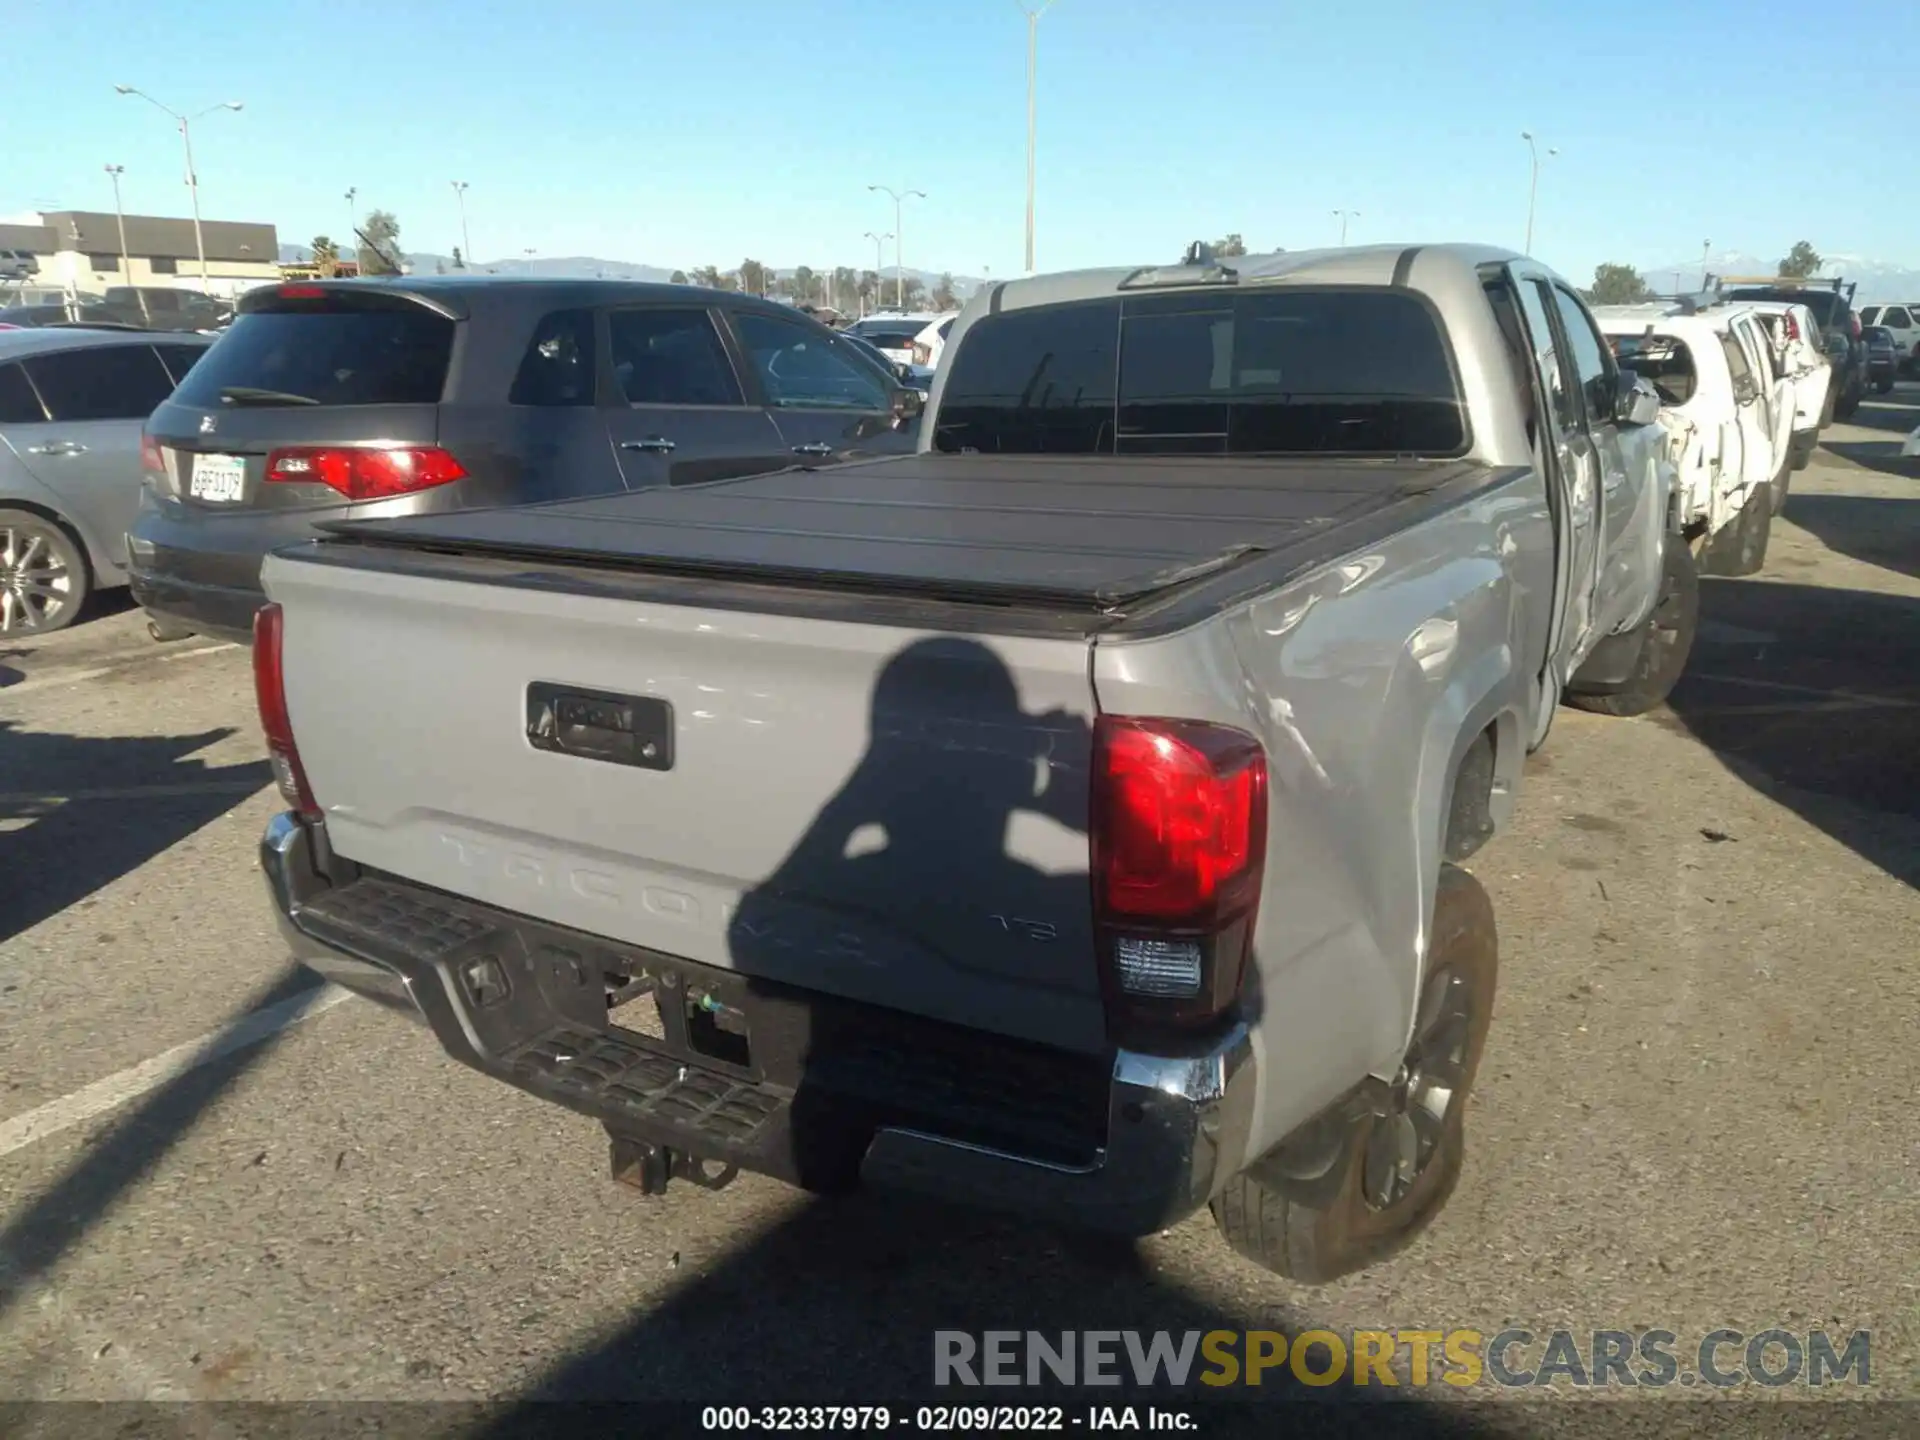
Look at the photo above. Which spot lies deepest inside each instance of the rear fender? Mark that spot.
(1367, 681)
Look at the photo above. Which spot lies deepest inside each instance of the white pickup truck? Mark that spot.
(1732, 410)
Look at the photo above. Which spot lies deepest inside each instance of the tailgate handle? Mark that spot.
(635, 730)
(659, 444)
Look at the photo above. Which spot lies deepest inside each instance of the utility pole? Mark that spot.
(1706, 260)
(114, 172)
(466, 240)
(353, 231)
(900, 197)
(1533, 189)
(193, 180)
(1343, 216)
(1033, 65)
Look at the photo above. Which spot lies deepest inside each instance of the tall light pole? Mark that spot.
(1533, 188)
(900, 197)
(879, 261)
(1033, 15)
(193, 181)
(1706, 259)
(1343, 216)
(114, 172)
(353, 230)
(460, 194)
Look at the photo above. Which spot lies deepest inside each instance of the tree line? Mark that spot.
(1623, 285)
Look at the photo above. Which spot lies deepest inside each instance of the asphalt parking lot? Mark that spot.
(1696, 1110)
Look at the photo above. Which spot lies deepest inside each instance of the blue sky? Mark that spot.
(684, 133)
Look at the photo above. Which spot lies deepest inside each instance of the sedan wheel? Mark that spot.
(43, 578)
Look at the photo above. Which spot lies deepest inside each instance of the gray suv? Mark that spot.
(355, 399)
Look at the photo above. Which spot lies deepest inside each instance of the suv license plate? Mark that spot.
(218, 477)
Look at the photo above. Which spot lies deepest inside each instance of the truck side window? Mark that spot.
(1745, 386)
(1591, 361)
(1546, 355)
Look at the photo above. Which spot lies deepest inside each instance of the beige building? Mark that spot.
(81, 250)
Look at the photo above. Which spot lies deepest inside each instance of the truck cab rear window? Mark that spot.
(1306, 371)
(328, 357)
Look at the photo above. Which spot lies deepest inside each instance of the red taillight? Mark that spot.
(151, 459)
(302, 292)
(270, 693)
(366, 474)
(1854, 320)
(1179, 840)
(1793, 328)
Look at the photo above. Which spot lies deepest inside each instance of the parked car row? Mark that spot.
(140, 307)
(1745, 390)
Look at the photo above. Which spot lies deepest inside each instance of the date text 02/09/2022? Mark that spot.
(940, 1419)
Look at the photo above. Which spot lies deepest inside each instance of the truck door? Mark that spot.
(1753, 412)
(1769, 367)
(1621, 587)
(1576, 466)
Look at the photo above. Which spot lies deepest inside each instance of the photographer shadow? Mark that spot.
(910, 892)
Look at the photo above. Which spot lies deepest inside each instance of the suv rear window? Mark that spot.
(896, 336)
(348, 356)
(1291, 372)
(1828, 306)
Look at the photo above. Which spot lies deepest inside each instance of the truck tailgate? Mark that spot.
(878, 813)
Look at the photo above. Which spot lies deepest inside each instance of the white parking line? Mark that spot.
(116, 1090)
(75, 677)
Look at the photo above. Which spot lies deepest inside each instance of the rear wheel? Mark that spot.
(1883, 386)
(1666, 643)
(1361, 1183)
(44, 580)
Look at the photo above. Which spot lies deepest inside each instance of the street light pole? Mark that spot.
(114, 172)
(193, 180)
(1533, 188)
(900, 197)
(879, 262)
(353, 232)
(1343, 216)
(460, 194)
(1033, 63)
(1706, 259)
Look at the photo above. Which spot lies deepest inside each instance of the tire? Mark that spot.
(1329, 1201)
(1666, 644)
(1883, 387)
(163, 631)
(44, 579)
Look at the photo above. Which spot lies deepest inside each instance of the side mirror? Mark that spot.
(1635, 402)
(907, 406)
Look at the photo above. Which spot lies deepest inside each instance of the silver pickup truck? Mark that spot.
(1062, 818)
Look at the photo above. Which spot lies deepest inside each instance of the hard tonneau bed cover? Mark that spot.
(1092, 533)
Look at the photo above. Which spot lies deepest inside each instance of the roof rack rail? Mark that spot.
(1836, 283)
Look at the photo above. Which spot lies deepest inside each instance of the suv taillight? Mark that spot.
(1853, 323)
(366, 473)
(922, 354)
(270, 692)
(1179, 845)
(151, 460)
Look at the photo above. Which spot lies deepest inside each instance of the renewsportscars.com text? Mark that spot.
(1509, 1359)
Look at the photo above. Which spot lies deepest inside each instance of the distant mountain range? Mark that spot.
(589, 267)
(1878, 280)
